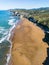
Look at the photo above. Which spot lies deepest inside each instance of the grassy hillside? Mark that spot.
(40, 14)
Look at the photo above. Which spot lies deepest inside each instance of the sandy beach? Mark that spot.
(28, 47)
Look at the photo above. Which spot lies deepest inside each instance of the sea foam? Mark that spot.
(2, 39)
(9, 35)
(11, 21)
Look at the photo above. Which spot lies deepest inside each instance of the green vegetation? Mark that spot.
(41, 14)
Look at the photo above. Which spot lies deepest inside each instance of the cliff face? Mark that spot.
(28, 47)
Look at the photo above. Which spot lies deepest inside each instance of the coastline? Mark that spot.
(9, 37)
(27, 60)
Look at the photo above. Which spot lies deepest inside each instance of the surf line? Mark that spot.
(10, 33)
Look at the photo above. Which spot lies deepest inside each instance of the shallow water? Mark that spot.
(7, 21)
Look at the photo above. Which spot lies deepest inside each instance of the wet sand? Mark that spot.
(28, 48)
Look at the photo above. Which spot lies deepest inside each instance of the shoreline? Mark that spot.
(43, 44)
(10, 35)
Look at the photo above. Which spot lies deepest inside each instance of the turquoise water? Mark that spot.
(6, 22)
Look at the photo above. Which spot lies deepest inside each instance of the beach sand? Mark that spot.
(28, 47)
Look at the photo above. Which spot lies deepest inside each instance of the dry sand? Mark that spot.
(27, 45)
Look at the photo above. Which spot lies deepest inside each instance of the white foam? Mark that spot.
(9, 35)
(2, 39)
(11, 17)
(8, 58)
(6, 32)
(11, 21)
(1, 29)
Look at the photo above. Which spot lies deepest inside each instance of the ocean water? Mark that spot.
(7, 22)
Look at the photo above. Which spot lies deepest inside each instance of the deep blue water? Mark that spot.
(6, 22)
